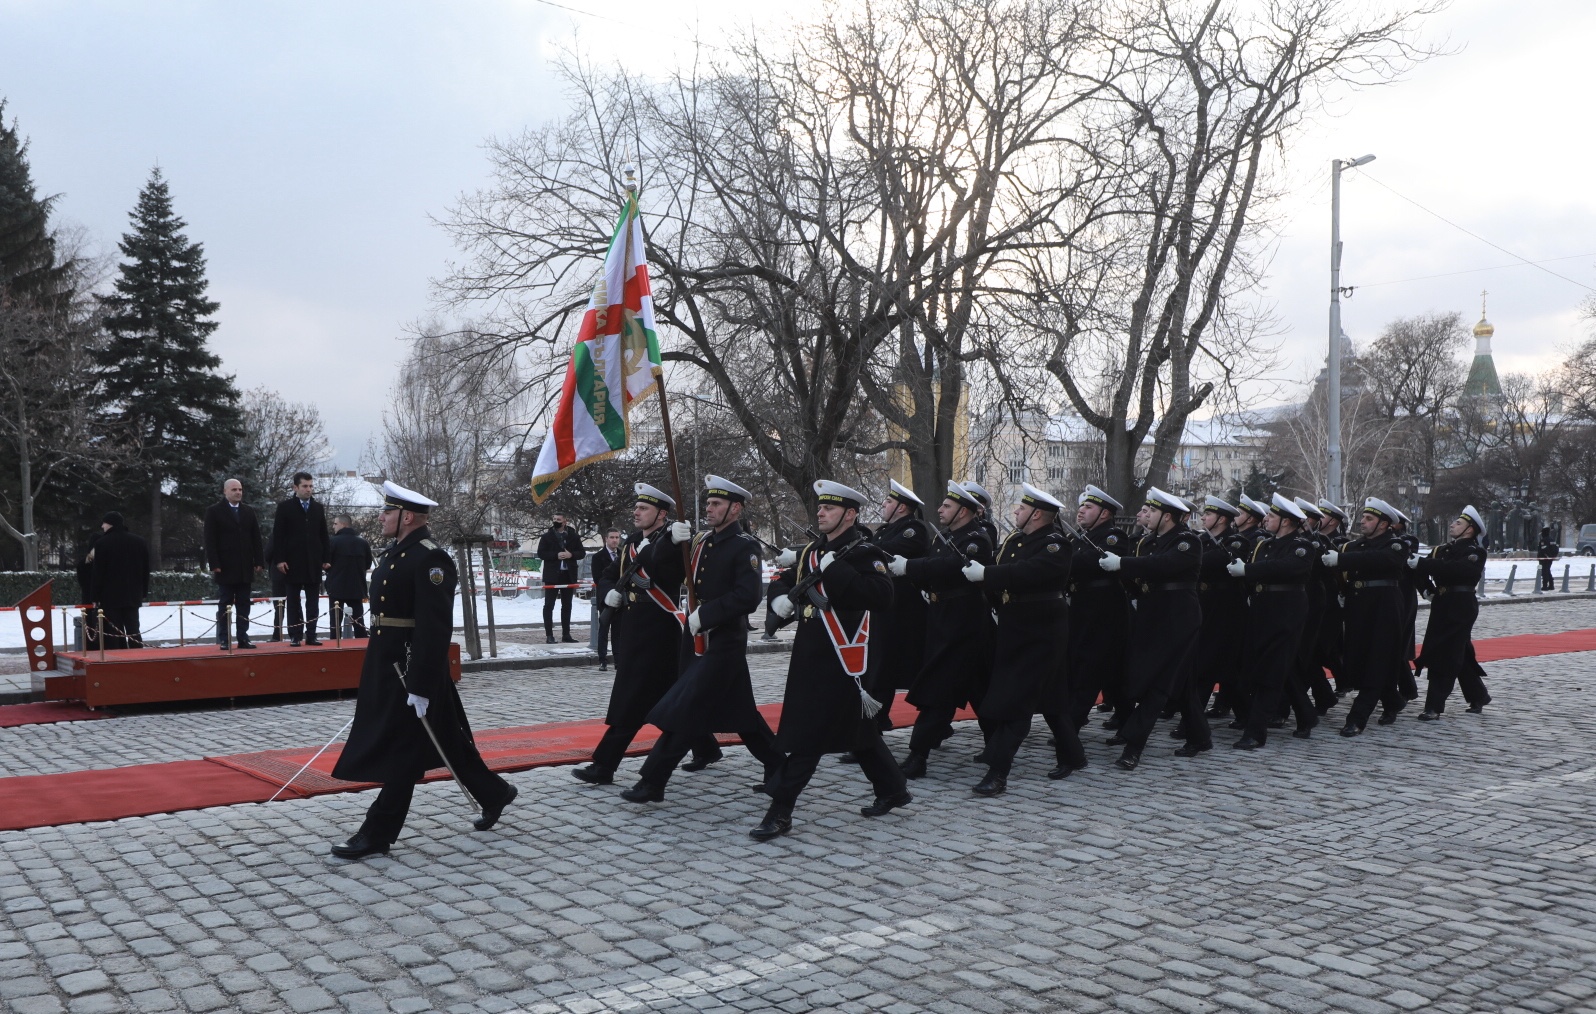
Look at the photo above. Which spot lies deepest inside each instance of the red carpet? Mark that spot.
(110, 794)
(43, 714)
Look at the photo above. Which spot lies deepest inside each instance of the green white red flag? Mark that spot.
(614, 364)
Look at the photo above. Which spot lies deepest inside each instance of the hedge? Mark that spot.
(165, 586)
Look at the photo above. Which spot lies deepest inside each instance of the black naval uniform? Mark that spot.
(1407, 684)
(898, 630)
(1277, 613)
(1310, 675)
(1455, 570)
(412, 593)
(1224, 608)
(1164, 627)
(1329, 650)
(1099, 618)
(713, 693)
(1026, 585)
(958, 642)
(1371, 580)
(821, 709)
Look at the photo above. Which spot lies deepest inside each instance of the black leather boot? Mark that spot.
(777, 822)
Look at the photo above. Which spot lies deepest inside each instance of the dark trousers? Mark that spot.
(353, 609)
(1278, 691)
(602, 634)
(1547, 584)
(1143, 716)
(563, 595)
(1192, 704)
(875, 760)
(302, 616)
(930, 728)
(1470, 678)
(672, 747)
(121, 627)
(1084, 693)
(237, 596)
(1003, 739)
(612, 746)
(386, 817)
(1067, 748)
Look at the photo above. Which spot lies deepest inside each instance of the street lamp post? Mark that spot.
(1333, 389)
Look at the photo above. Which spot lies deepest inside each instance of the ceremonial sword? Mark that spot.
(437, 745)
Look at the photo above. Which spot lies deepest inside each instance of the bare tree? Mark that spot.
(280, 437)
(1415, 374)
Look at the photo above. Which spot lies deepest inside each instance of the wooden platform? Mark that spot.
(202, 672)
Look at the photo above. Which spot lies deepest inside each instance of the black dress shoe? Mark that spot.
(847, 758)
(293, 644)
(886, 804)
(1389, 716)
(312, 642)
(603, 667)
(1351, 729)
(1064, 770)
(359, 847)
(1129, 759)
(1278, 723)
(1105, 706)
(1237, 724)
(594, 775)
(551, 638)
(643, 792)
(490, 814)
(992, 785)
(1477, 709)
(913, 766)
(1116, 740)
(1116, 722)
(700, 763)
(1246, 743)
(1302, 732)
(248, 645)
(1217, 712)
(568, 639)
(1178, 732)
(777, 822)
(1429, 716)
(1191, 751)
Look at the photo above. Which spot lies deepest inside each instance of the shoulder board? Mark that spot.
(429, 544)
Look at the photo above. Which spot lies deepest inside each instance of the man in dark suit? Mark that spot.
(1546, 554)
(233, 553)
(121, 580)
(346, 578)
(559, 548)
(603, 581)
(301, 550)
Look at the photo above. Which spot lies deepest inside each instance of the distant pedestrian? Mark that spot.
(559, 549)
(1547, 553)
(346, 578)
(234, 555)
(301, 551)
(121, 581)
(598, 637)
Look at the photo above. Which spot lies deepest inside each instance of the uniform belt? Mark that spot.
(1276, 587)
(1105, 582)
(1454, 588)
(952, 593)
(1384, 582)
(1170, 586)
(1009, 598)
(394, 621)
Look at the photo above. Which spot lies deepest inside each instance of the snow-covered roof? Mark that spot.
(348, 491)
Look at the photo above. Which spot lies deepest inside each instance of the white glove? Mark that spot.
(1330, 559)
(1413, 562)
(973, 571)
(694, 623)
(827, 560)
(1236, 568)
(898, 565)
(786, 558)
(782, 606)
(1109, 562)
(419, 703)
(612, 598)
(681, 532)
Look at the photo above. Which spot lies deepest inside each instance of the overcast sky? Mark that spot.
(307, 144)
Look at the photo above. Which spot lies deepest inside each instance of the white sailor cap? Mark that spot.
(1309, 508)
(1253, 507)
(978, 491)
(1097, 496)
(1326, 507)
(838, 495)
(1286, 508)
(714, 485)
(1166, 501)
(1403, 518)
(396, 497)
(1213, 503)
(905, 494)
(1379, 508)
(1033, 497)
(649, 495)
(1472, 516)
(963, 497)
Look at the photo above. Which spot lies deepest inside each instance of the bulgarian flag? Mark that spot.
(615, 363)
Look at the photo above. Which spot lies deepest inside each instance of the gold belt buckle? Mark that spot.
(1005, 598)
(631, 596)
(809, 612)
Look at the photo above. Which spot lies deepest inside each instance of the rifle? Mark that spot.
(942, 533)
(628, 580)
(806, 585)
(1076, 533)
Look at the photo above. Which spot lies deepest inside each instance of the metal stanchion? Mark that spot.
(337, 610)
(229, 634)
(1565, 579)
(1512, 572)
(487, 582)
(181, 643)
(100, 624)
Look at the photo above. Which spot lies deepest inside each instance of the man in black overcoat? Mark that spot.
(1407, 684)
(1025, 584)
(1546, 553)
(412, 592)
(1224, 607)
(842, 584)
(899, 631)
(121, 581)
(1453, 571)
(1099, 612)
(714, 692)
(560, 549)
(606, 567)
(346, 578)
(234, 555)
(1276, 576)
(1333, 531)
(301, 551)
(1371, 566)
(958, 646)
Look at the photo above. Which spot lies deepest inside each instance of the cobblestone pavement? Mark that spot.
(1443, 867)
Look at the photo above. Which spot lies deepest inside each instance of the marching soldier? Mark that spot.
(1371, 565)
(1407, 684)
(1166, 619)
(1248, 532)
(1026, 584)
(958, 646)
(645, 602)
(408, 715)
(1224, 608)
(1310, 673)
(899, 631)
(1276, 577)
(985, 499)
(1098, 608)
(1333, 529)
(842, 584)
(1454, 569)
(713, 693)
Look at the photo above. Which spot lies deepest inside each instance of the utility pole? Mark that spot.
(1333, 387)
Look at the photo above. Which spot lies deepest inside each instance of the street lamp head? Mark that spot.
(1360, 160)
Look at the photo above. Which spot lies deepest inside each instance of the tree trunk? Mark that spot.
(155, 524)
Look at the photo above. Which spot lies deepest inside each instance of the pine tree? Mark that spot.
(29, 270)
(158, 376)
